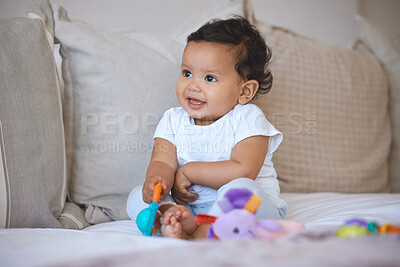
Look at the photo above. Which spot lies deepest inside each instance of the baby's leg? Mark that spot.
(135, 203)
(177, 222)
(267, 209)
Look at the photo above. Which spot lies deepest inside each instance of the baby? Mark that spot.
(215, 141)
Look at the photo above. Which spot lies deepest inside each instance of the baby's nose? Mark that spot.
(194, 87)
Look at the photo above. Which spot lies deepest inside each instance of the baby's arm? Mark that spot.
(161, 170)
(246, 160)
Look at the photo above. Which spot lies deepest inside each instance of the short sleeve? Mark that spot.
(164, 128)
(251, 121)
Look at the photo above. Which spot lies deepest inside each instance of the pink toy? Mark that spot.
(238, 220)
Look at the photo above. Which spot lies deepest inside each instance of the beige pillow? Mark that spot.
(386, 48)
(32, 154)
(331, 105)
(222, 10)
(117, 86)
(113, 78)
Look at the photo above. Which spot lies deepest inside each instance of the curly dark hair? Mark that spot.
(253, 54)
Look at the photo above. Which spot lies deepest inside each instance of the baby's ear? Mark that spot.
(249, 89)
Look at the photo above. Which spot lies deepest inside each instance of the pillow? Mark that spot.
(32, 155)
(117, 86)
(221, 11)
(386, 47)
(330, 103)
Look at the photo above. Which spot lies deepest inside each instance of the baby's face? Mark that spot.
(209, 85)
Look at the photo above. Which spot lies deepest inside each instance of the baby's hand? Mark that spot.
(180, 191)
(148, 188)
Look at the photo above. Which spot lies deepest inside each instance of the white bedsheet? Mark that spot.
(335, 208)
(44, 247)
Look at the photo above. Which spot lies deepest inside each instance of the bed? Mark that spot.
(120, 243)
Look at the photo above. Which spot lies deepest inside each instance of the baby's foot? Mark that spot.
(178, 222)
(172, 228)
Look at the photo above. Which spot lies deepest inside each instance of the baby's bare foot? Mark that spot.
(178, 222)
(171, 227)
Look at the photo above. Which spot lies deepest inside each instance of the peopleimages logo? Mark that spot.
(112, 123)
(128, 132)
(108, 146)
(295, 123)
(112, 132)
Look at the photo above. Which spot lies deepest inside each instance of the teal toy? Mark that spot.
(145, 219)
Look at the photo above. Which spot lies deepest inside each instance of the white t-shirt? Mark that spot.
(215, 142)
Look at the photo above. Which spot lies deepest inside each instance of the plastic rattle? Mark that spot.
(145, 219)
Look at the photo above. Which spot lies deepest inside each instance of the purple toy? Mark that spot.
(238, 220)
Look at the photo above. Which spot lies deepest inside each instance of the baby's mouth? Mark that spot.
(195, 103)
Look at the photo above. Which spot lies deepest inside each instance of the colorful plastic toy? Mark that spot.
(145, 219)
(238, 220)
(360, 227)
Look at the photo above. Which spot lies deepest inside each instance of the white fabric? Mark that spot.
(335, 208)
(215, 142)
(43, 247)
(50, 247)
(3, 185)
(221, 10)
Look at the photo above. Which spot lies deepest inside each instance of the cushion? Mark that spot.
(32, 154)
(331, 105)
(223, 10)
(386, 47)
(117, 86)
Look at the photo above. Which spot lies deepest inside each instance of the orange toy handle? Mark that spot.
(157, 193)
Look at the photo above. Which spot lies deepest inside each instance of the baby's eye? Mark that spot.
(186, 73)
(210, 78)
